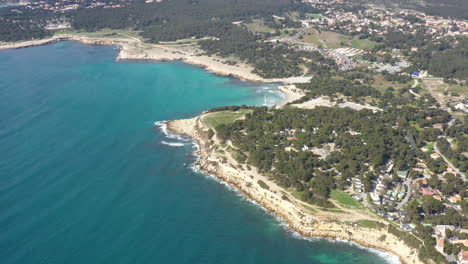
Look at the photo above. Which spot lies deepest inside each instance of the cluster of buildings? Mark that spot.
(61, 6)
(440, 235)
(380, 21)
(390, 68)
(388, 200)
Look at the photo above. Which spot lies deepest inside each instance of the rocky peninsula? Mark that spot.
(305, 219)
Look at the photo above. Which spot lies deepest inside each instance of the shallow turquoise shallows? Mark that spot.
(85, 176)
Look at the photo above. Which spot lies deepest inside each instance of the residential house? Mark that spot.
(455, 198)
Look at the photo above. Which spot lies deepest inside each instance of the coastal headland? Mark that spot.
(357, 225)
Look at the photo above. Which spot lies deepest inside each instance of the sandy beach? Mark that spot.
(134, 49)
(307, 220)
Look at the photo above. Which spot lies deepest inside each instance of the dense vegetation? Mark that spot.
(22, 25)
(270, 60)
(456, 154)
(172, 20)
(313, 152)
(329, 85)
(283, 139)
(446, 58)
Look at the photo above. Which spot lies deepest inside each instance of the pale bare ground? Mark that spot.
(311, 104)
(358, 107)
(192, 55)
(307, 220)
(437, 87)
(323, 101)
(291, 92)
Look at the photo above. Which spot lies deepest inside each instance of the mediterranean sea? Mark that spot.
(86, 177)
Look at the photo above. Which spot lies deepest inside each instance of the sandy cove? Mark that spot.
(134, 49)
(295, 213)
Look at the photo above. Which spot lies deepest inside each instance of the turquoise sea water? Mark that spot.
(85, 178)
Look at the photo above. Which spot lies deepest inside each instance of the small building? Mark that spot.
(407, 227)
(426, 191)
(424, 149)
(435, 155)
(440, 230)
(389, 217)
(454, 199)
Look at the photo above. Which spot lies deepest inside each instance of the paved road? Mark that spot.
(451, 165)
(416, 82)
(407, 196)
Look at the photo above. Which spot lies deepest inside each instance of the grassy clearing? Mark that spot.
(345, 199)
(364, 44)
(212, 120)
(433, 86)
(258, 26)
(312, 210)
(333, 40)
(108, 33)
(183, 41)
(415, 125)
(381, 84)
(298, 195)
(370, 224)
(338, 211)
(313, 16)
(455, 88)
(430, 146)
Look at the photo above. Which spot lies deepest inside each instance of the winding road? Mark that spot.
(407, 196)
(463, 176)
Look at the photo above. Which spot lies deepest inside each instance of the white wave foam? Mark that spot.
(173, 144)
(387, 256)
(163, 127)
(390, 258)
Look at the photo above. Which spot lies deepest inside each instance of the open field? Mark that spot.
(442, 92)
(345, 199)
(107, 33)
(258, 26)
(314, 16)
(455, 88)
(381, 84)
(333, 40)
(212, 120)
(369, 223)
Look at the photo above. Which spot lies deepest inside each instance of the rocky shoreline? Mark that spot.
(290, 210)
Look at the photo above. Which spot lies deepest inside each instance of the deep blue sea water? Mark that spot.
(84, 177)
